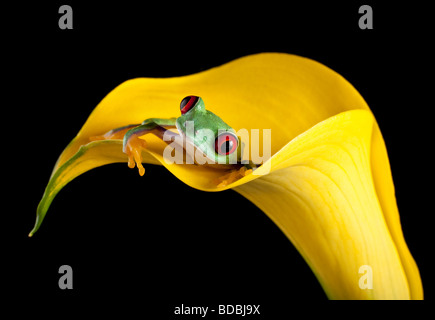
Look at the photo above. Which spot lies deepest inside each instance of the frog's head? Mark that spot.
(207, 132)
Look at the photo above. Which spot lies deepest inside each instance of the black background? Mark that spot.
(131, 241)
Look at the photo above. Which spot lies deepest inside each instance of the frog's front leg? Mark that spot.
(132, 144)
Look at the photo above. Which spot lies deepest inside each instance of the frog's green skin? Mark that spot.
(197, 126)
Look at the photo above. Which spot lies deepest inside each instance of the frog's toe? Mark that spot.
(243, 171)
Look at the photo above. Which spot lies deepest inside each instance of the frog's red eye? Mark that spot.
(188, 103)
(226, 143)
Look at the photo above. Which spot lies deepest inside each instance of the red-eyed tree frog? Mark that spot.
(199, 129)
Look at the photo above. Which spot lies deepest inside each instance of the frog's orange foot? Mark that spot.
(232, 176)
(133, 148)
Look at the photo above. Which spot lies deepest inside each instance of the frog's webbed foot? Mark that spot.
(133, 147)
(232, 176)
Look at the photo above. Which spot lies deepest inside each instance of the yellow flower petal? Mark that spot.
(330, 188)
(382, 179)
(324, 200)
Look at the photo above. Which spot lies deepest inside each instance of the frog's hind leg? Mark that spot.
(117, 133)
(120, 132)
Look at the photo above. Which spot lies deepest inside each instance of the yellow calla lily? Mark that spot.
(329, 188)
